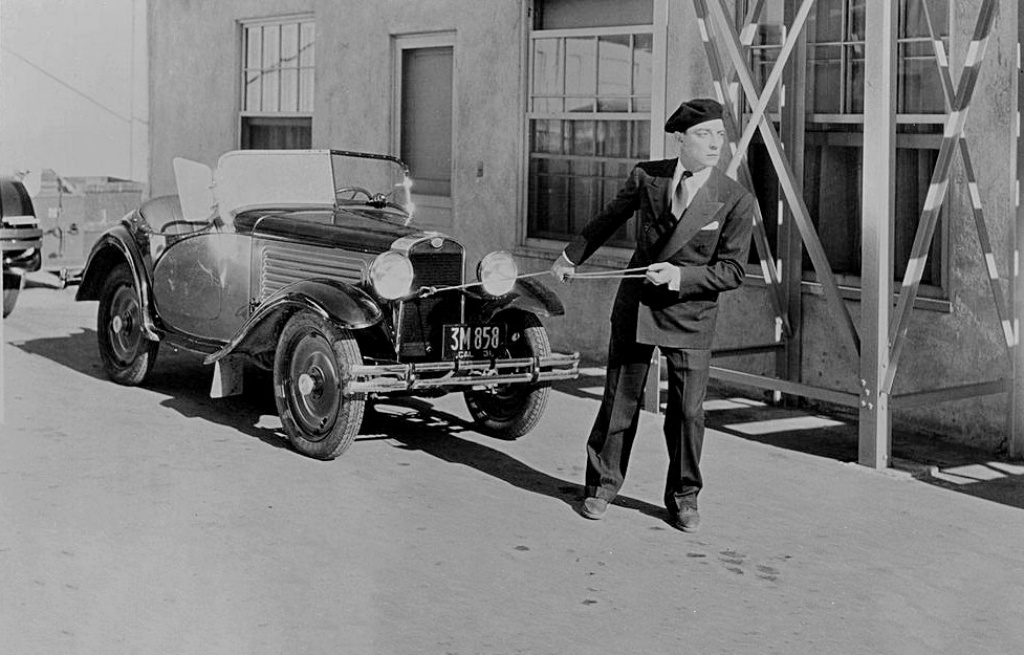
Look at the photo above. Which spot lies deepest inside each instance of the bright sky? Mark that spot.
(66, 87)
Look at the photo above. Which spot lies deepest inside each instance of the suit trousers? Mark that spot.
(611, 438)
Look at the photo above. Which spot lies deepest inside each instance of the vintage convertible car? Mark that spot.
(21, 239)
(305, 263)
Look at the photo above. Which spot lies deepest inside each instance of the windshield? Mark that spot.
(247, 180)
(369, 180)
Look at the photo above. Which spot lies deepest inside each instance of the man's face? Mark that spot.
(701, 145)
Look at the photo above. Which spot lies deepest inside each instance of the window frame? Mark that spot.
(937, 289)
(657, 29)
(298, 117)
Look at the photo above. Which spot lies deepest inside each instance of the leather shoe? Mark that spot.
(686, 519)
(593, 508)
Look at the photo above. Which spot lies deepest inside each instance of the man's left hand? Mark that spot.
(563, 269)
(664, 273)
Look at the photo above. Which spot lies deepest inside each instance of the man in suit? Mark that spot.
(693, 239)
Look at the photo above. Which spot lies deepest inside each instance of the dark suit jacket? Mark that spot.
(709, 243)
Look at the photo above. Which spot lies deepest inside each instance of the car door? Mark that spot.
(201, 280)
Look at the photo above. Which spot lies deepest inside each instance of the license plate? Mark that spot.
(472, 341)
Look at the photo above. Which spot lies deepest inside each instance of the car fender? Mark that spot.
(528, 295)
(333, 300)
(115, 246)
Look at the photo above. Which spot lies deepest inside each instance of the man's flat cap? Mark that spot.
(693, 112)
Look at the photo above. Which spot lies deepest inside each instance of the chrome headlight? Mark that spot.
(391, 275)
(497, 273)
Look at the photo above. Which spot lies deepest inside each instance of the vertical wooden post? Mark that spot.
(1016, 400)
(788, 362)
(878, 207)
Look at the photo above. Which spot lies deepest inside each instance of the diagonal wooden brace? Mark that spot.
(948, 90)
(937, 190)
(768, 266)
(786, 177)
(774, 77)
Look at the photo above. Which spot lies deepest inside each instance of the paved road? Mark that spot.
(156, 520)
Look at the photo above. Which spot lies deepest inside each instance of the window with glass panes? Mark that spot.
(589, 114)
(834, 126)
(277, 83)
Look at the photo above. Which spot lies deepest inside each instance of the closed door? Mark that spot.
(425, 125)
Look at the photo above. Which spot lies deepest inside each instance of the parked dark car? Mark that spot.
(21, 239)
(306, 263)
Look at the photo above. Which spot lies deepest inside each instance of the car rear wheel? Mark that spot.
(310, 366)
(511, 410)
(128, 356)
(12, 287)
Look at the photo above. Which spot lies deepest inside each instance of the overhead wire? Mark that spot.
(70, 87)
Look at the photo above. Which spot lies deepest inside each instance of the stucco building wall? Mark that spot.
(194, 109)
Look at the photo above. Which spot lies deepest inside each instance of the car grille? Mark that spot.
(282, 264)
(421, 321)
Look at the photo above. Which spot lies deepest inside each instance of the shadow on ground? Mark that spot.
(417, 425)
(186, 383)
(833, 434)
(181, 377)
(178, 375)
(410, 423)
(75, 351)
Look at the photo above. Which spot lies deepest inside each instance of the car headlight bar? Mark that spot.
(497, 274)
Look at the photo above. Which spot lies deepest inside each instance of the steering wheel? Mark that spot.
(353, 190)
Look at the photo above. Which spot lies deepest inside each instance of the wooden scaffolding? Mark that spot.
(879, 338)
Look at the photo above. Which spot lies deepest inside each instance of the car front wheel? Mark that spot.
(311, 363)
(511, 410)
(128, 356)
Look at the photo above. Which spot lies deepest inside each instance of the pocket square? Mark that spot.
(710, 226)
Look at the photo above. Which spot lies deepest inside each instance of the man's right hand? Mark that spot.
(563, 269)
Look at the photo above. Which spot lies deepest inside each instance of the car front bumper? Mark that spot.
(21, 249)
(461, 373)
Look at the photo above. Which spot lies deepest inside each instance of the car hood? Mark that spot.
(361, 229)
